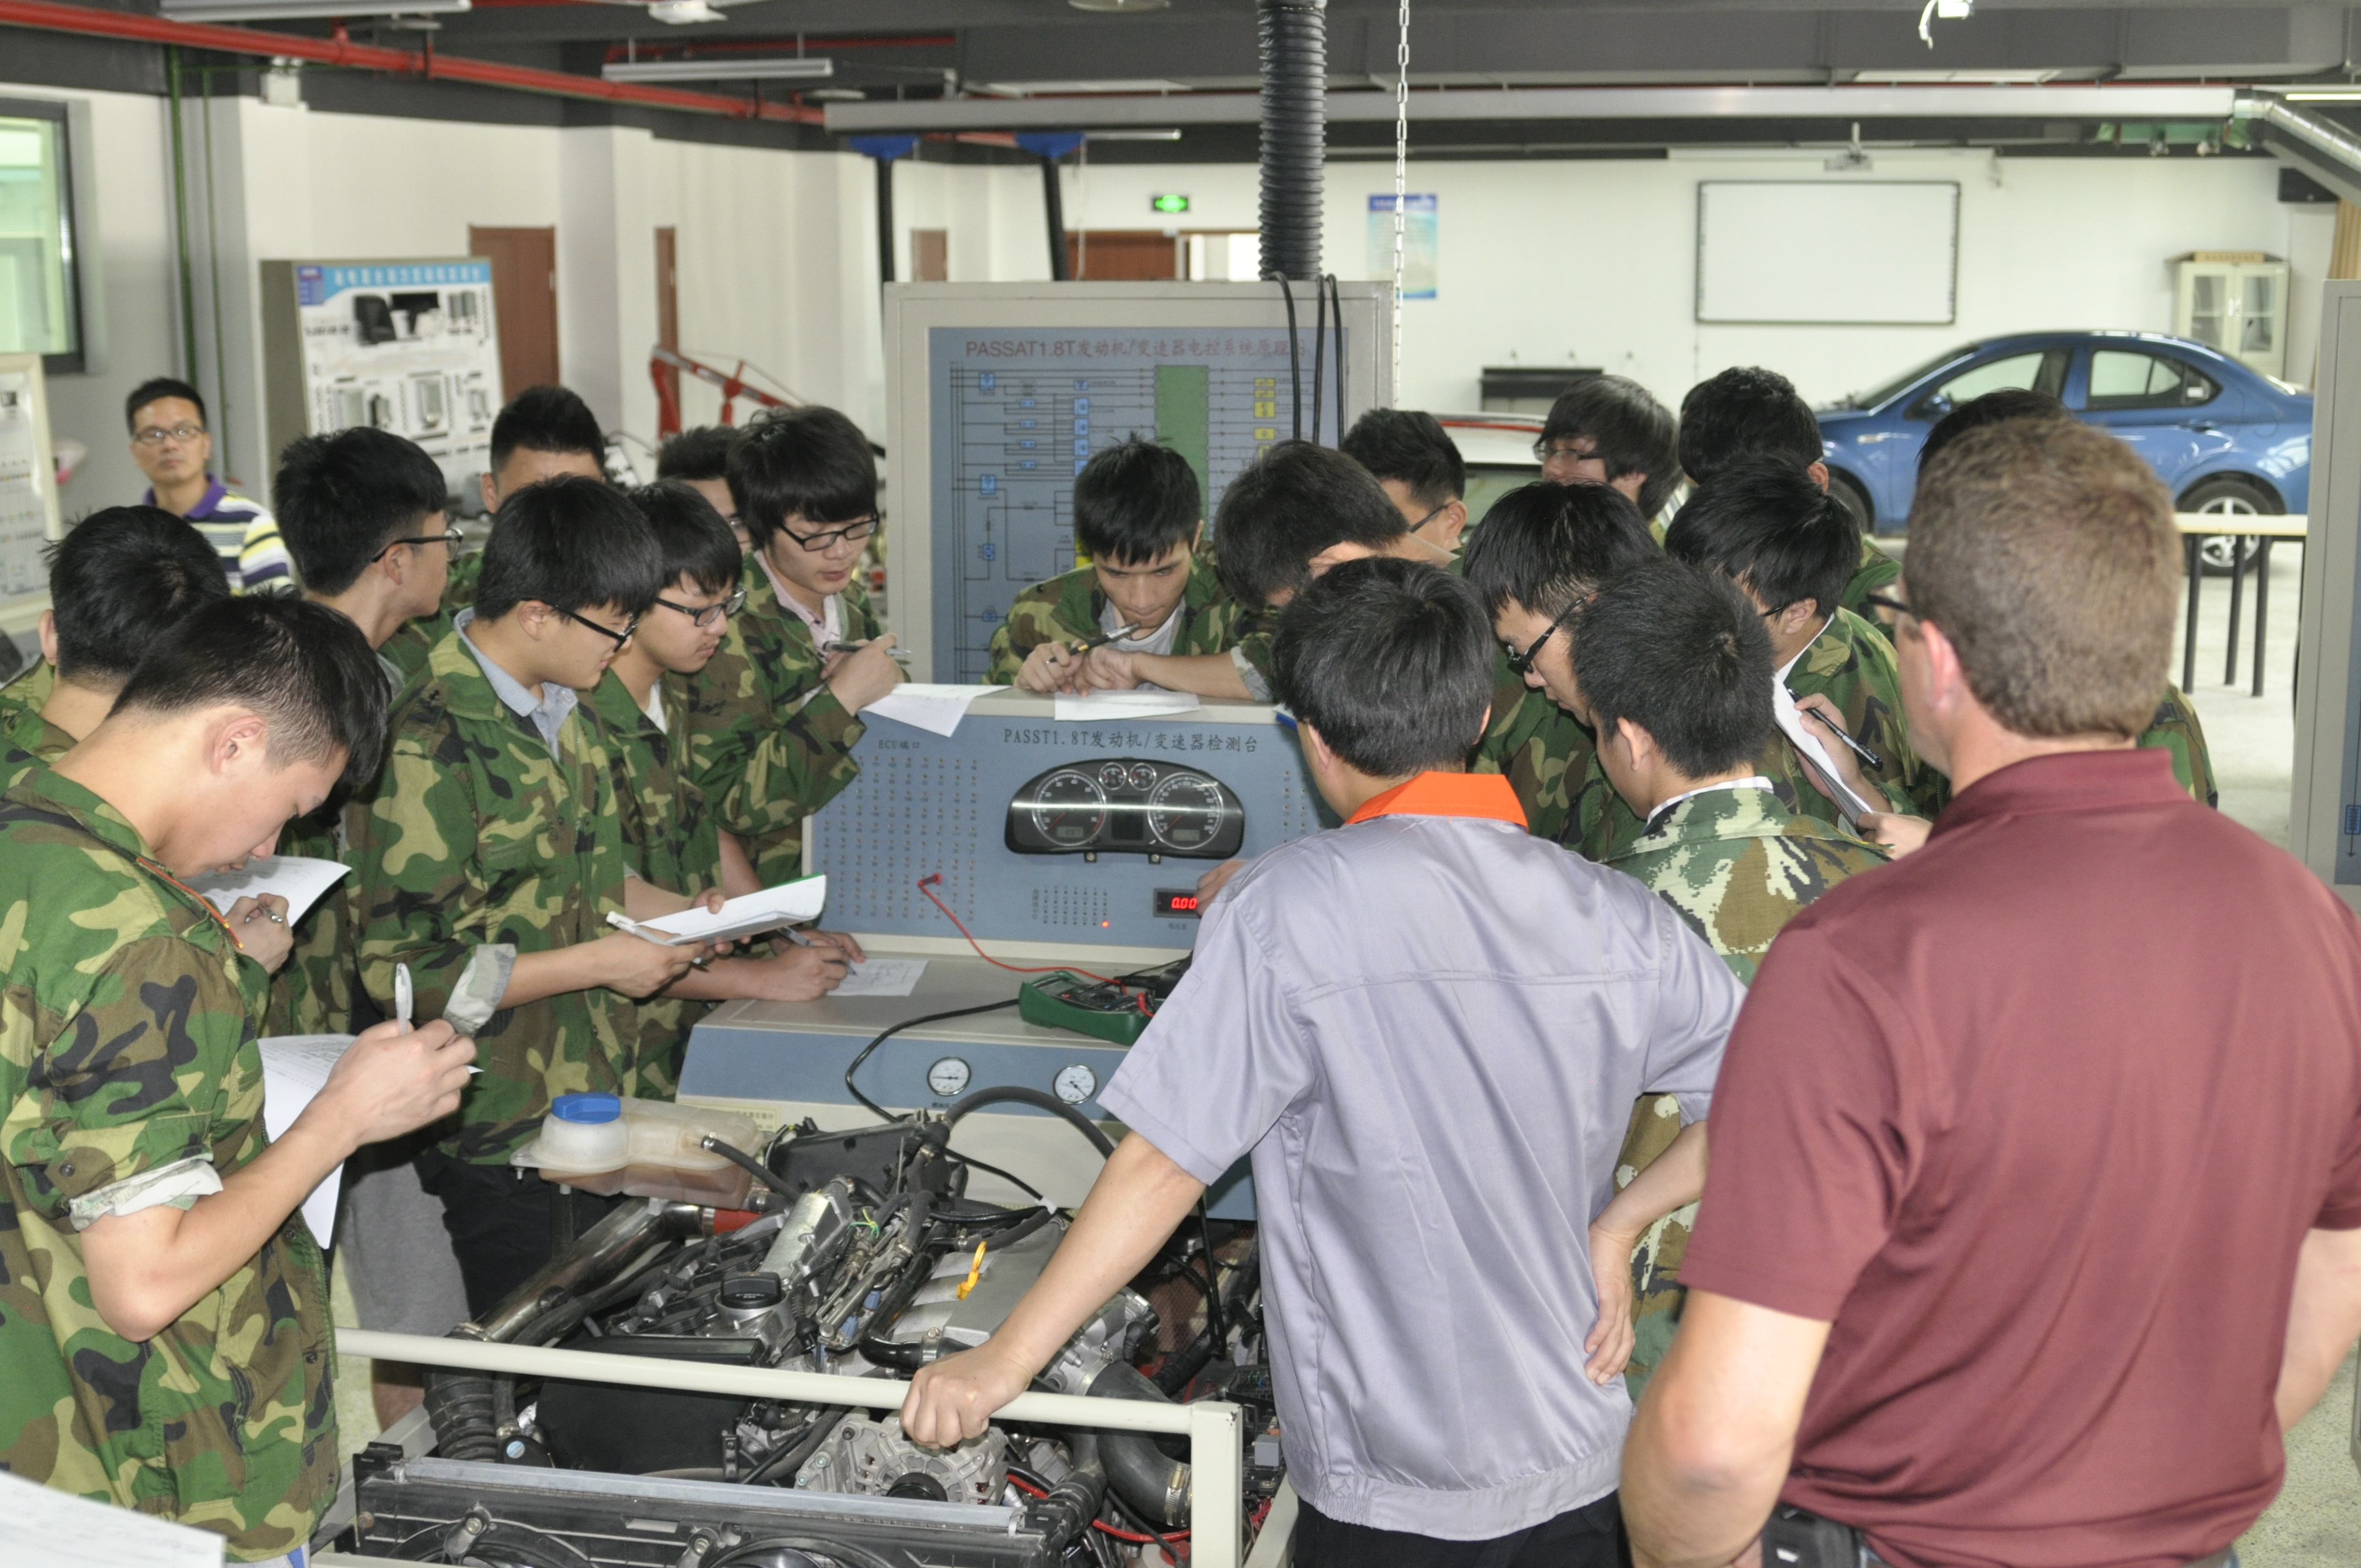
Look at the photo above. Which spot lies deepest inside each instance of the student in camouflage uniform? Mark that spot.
(668, 832)
(1419, 467)
(544, 433)
(1139, 517)
(1761, 521)
(117, 583)
(492, 853)
(164, 1308)
(1610, 430)
(1543, 549)
(1676, 667)
(699, 458)
(774, 717)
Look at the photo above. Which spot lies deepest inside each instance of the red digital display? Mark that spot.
(1170, 902)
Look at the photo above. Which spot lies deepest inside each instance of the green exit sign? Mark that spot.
(1168, 203)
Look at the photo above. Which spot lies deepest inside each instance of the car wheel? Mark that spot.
(1846, 491)
(2227, 497)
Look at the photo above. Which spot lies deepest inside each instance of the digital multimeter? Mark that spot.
(1098, 1008)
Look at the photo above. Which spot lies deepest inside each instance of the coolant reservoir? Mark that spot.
(645, 1148)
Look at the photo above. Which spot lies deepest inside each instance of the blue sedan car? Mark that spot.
(2223, 437)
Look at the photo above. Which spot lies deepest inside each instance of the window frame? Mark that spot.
(2147, 402)
(78, 359)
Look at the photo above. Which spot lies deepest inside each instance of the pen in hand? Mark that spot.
(1869, 759)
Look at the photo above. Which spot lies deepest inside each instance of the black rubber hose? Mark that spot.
(1074, 1501)
(1294, 52)
(896, 1296)
(1010, 1093)
(1155, 1488)
(790, 1460)
(751, 1165)
(459, 1405)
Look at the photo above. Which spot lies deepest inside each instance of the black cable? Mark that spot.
(1295, 353)
(863, 1056)
(1336, 317)
(1008, 1094)
(1213, 1318)
(1318, 354)
(749, 1164)
(1017, 1181)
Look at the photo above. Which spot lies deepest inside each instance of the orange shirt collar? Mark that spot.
(1447, 794)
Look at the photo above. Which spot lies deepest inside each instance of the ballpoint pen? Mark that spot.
(404, 997)
(1869, 758)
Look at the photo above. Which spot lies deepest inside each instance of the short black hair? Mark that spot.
(1745, 409)
(811, 463)
(1135, 500)
(1630, 431)
(1764, 521)
(119, 580)
(1392, 661)
(546, 419)
(305, 668)
(1411, 447)
(340, 498)
(573, 542)
(699, 454)
(1992, 408)
(156, 387)
(691, 538)
(1287, 506)
(1547, 545)
(1676, 650)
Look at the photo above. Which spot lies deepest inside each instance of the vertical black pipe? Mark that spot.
(885, 218)
(1053, 199)
(1294, 39)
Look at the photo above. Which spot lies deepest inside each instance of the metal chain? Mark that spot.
(1401, 185)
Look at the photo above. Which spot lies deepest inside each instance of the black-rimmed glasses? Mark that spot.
(1522, 662)
(1883, 602)
(621, 639)
(454, 536)
(853, 532)
(704, 618)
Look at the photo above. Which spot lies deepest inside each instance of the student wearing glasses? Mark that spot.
(1545, 549)
(1609, 430)
(171, 446)
(1419, 467)
(775, 713)
(493, 851)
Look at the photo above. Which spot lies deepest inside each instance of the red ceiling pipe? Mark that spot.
(57, 18)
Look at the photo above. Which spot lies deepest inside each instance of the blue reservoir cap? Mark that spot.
(586, 1107)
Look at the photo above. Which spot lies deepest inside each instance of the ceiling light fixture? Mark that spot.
(285, 10)
(1119, 6)
(802, 68)
(680, 13)
(1947, 10)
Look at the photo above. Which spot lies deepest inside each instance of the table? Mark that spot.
(2196, 528)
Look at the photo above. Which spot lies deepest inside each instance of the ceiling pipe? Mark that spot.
(47, 17)
(2311, 143)
(1294, 110)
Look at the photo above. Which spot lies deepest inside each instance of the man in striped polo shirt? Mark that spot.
(169, 443)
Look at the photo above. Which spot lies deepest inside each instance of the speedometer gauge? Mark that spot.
(1185, 811)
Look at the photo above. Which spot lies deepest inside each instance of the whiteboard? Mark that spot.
(1829, 252)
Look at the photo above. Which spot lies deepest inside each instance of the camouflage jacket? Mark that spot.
(406, 649)
(768, 743)
(1736, 866)
(28, 687)
(1850, 662)
(1550, 760)
(1877, 572)
(480, 845)
(1069, 608)
(2175, 729)
(128, 1047)
(26, 739)
(670, 840)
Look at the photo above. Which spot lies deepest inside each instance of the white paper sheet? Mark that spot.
(1126, 705)
(294, 1069)
(934, 708)
(45, 1527)
(298, 878)
(1791, 722)
(882, 976)
(789, 904)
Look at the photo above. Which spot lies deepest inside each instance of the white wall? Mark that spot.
(1593, 262)
(135, 241)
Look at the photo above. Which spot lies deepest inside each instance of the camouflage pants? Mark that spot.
(1657, 1292)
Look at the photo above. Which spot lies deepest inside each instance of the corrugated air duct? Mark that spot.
(1294, 36)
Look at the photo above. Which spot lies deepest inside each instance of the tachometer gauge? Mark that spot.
(1185, 811)
(1076, 1083)
(1070, 809)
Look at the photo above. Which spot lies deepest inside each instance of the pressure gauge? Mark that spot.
(948, 1076)
(1076, 1083)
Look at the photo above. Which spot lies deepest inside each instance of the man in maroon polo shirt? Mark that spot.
(2034, 1215)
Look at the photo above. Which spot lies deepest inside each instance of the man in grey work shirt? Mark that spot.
(1429, 1028)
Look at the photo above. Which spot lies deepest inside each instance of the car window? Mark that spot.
(2017, 373)
(2127, 379)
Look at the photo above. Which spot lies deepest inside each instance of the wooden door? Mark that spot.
(524, 296)
(931, 256)
(1126, 255)
(668, 303)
